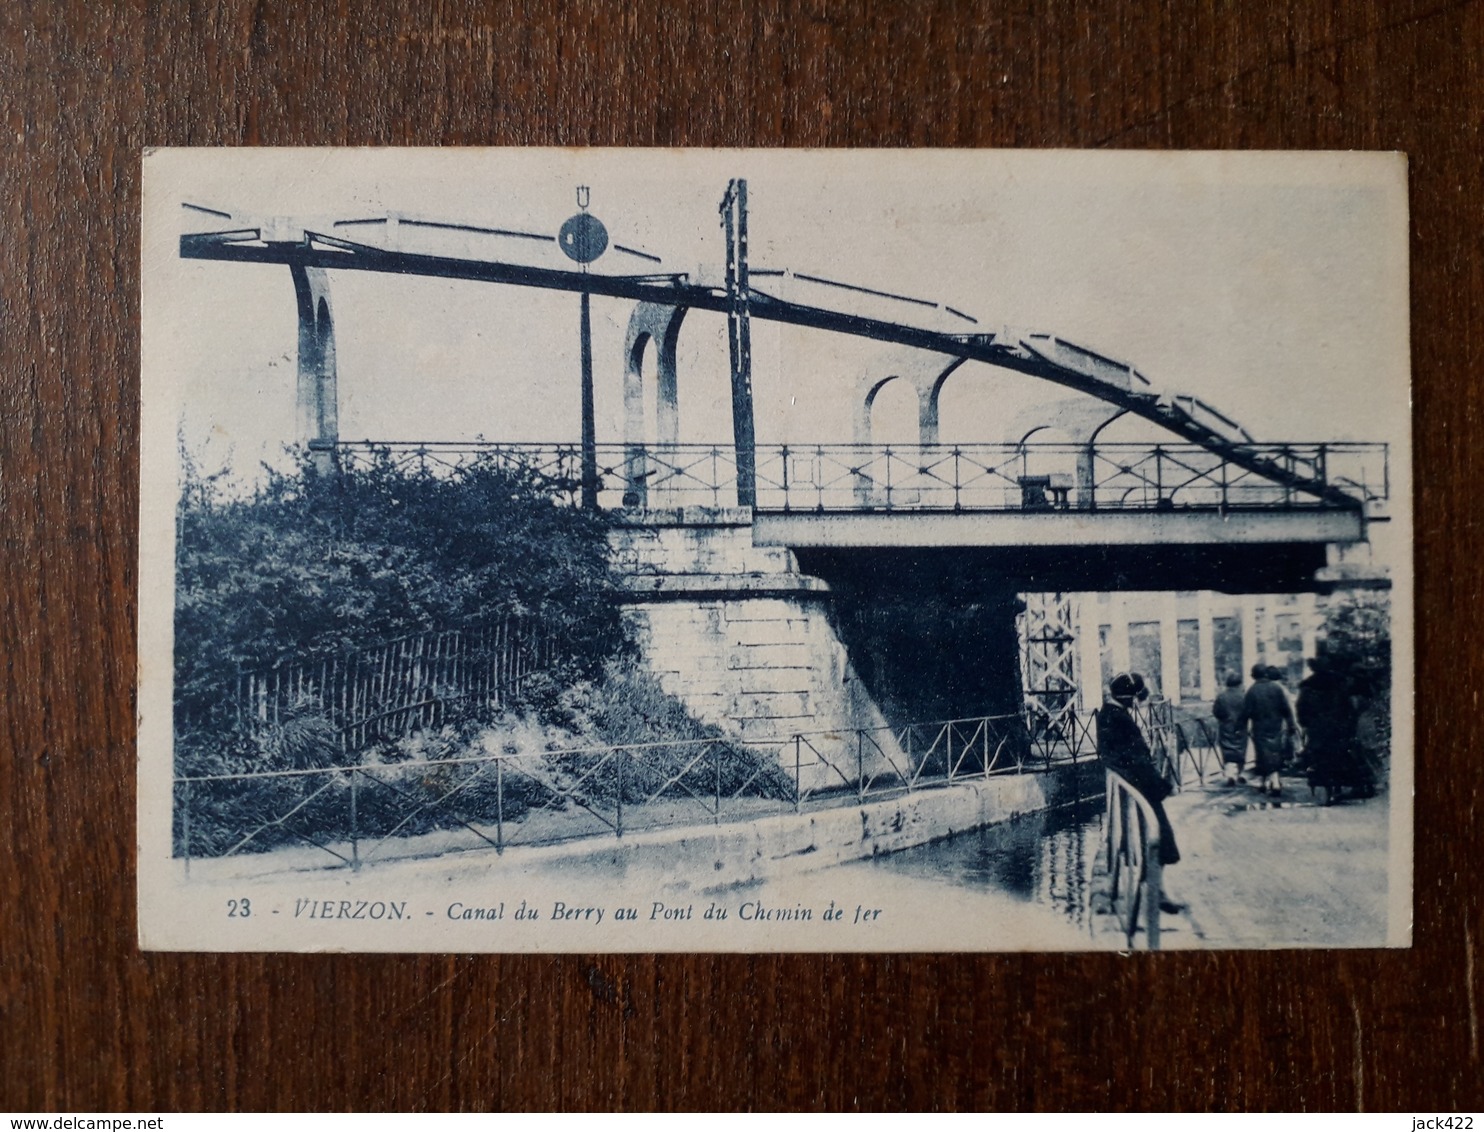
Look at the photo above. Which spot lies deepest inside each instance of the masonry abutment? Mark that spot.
(765, 650)
(737, 632)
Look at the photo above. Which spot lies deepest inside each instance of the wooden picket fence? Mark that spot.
(390, 689)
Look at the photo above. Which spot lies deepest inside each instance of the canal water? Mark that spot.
(1038, 861)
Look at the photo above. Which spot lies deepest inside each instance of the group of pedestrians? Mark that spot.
(1325, 720)
(1317, 735)
(1264, 709)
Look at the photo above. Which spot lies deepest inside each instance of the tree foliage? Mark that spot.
(309, 565)
(1357, 641)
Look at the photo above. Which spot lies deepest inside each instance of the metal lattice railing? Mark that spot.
(369, 811)
(355, 814)
(967, 477)
(358, 813)
(1131, 841)
(1184, 747)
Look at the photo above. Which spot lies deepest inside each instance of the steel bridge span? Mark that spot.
(1026, 497)
(924, 346)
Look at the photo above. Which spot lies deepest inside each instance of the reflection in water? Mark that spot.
(1037, 859)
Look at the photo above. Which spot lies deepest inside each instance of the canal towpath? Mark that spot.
(1259, 872)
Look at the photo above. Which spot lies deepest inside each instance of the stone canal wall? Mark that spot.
(786, 844)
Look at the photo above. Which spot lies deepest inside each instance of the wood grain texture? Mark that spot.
(88, 1022)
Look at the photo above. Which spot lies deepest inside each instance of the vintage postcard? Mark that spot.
(635, 550)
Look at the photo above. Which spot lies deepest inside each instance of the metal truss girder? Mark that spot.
(1015, 353)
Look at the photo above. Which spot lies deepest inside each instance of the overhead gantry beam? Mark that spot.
(1041, 356)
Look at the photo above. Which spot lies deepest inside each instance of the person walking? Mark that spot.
(1122, 748)
(1290, 740)
(1230, 710)
(1271, 719)
(1327, 715)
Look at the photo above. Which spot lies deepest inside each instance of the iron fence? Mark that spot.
(1055, 477)
(819, 478)
(1198, 752)
(876, 762)
(354, 814)
(559, 464)
(628, 475)
(389, 689)
(364, 812)
(1131, 842)
(1185, 748)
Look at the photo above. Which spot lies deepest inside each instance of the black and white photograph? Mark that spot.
(770, 551)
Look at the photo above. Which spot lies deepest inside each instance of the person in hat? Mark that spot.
(1327, 714)
(1122, 748)
(1271, 719)
(1290, 738)
(1230, 710)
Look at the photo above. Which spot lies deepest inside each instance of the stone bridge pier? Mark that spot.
(750, 642)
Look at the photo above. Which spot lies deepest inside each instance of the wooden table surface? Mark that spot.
(87, 1022)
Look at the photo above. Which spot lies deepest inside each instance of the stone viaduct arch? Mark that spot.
(924, 370)
(316, 403)
(658, 326)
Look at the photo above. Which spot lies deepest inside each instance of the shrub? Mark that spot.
(626, 707)
(1357, 639)
(310, 566)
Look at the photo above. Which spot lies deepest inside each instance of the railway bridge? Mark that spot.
(777, 587)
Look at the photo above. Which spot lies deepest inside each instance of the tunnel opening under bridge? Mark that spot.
(930, 645)
(936, 634)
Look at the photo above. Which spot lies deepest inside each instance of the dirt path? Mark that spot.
(1291, 874)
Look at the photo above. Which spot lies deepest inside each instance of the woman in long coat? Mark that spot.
(1121, 746)
(1230, 710)
(1271, 719)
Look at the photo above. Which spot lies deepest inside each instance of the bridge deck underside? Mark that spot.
(968, 570)
(1065, 530)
